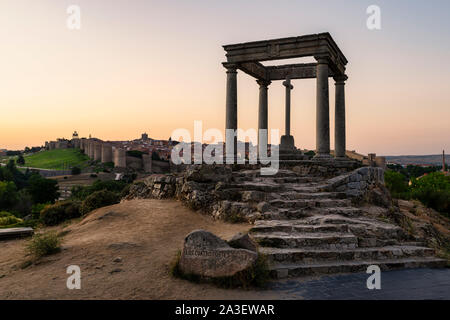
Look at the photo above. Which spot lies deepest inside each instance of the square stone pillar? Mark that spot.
(339, 118)
(322, 110)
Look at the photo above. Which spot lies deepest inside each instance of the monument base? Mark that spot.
(287, 143)
(288, 151)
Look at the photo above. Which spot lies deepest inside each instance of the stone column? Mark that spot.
(231, 113)
(287, 141)
(263, 117)
(339, 118)
(322, 110)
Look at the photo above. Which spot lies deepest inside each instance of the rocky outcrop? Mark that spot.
(305, 221)
(206, 255)
(243, 241)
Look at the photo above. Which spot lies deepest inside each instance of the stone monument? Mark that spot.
(331, 62)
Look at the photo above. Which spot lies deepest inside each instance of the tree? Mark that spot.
(20, 160)
(42, 190)
(8, 194)
(395, 182)
(433, 190)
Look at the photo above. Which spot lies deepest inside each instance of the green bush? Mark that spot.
(397, 183)
(59, 212)
(43, 244)
(8, 194)
(433, 190)
(99, 199)
(82, 192)
(36, 210)
(7, 219)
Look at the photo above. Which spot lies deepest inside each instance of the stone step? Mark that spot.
(312, 256)
(286, 214)
(249, 174)
(306, 203)
(344, 211)
(296, 226)
(321, 213)
(296, 179)
(320, 240)
(260, 186)
(292, 195)
(297, 270)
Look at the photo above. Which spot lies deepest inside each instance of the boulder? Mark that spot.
(243, 241)
(207, 255)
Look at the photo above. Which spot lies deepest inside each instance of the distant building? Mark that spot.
(75, 135)
(144, 137)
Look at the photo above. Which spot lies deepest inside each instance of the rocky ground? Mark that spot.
(123, 252)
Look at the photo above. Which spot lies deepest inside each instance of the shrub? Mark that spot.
(310, 153)
(433, 190)
(396, 183)
(76, 170)
(36, 210)
(99, 199)
(82, 192)
(43, 244)
(8, 194)
(7, 219)
(61, 211)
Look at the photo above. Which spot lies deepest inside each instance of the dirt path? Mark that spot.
(144, 234)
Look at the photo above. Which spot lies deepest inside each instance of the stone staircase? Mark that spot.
(307, 228)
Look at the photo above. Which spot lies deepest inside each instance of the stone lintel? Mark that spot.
(286, 48)
(254, 69)
(274, 73)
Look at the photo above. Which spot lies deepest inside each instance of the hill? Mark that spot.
(123, 252)
(432, 159)
(57, 159)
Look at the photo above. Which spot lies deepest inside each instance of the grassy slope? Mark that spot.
(56, 159)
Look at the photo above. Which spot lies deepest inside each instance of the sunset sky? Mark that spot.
(154, 66)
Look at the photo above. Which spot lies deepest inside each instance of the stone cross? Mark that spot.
(289, 87)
